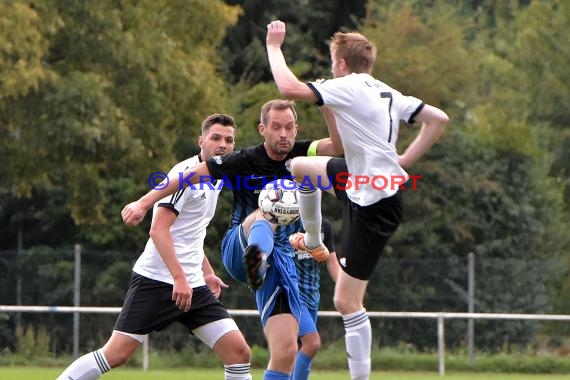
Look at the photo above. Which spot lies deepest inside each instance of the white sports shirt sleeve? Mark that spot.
(368, 114)
(195, 207)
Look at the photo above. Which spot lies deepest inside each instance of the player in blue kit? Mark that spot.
(308, 272)
(263, 246)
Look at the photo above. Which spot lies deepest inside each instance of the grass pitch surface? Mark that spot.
(35, 373)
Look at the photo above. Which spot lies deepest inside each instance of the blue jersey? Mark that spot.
(308, 270)
(245, 172)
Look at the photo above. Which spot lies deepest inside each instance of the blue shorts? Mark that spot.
(308, 323)
(281, 274)
(233, 247)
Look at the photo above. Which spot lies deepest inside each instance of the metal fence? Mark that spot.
(439, 317)
(446, 288)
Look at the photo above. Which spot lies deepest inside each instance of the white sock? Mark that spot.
(358, 339)
(88, 367)
(310, 208)
(237, 372)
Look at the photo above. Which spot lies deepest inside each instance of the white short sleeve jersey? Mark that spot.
(368, 113)
(195, 207)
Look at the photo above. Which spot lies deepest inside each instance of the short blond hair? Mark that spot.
(358, 53)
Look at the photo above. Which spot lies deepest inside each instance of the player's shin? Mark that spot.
(309, 199)
(88, 367)
(358, 339)
(302, 367)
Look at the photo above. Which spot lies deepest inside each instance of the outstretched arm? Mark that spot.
(433, 122)
(287, 83)
(134, 212)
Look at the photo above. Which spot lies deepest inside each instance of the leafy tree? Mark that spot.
(108, 89)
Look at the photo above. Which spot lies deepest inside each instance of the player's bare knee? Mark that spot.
(311, 349)
(243, 353)
(284, 354)
(345, 305)
(312, 345)
(296, 165)
(117, 359)
(290, 353)
(118, 352)
(240, 354)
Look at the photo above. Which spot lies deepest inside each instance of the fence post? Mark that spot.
(19, 275)
(471, 307)
(76, 298)
(145, 353)
(441, 345)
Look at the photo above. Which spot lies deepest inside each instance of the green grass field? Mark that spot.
(34, 373)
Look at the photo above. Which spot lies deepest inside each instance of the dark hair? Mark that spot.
(217, 118)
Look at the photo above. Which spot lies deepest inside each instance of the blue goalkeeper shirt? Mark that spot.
(308, 270)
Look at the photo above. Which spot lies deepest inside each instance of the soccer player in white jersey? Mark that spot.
(172, 280)
(363, 115)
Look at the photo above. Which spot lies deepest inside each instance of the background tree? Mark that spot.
(108, 89)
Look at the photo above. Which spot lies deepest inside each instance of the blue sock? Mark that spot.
(275, 375)
(261, 235)
(302, 367)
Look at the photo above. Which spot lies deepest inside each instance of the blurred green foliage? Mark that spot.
(96, 96)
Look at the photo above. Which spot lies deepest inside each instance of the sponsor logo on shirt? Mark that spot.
(303, 255)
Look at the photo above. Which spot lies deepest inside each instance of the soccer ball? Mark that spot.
(278, 201)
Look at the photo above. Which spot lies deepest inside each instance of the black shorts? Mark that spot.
(365, 229)
(148, 307)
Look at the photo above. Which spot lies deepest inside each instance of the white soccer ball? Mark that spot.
(278, 201)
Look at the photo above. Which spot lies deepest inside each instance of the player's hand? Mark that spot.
(275, 33)
(182, 294)
(133, 213)
(403, 161)
(215, 284)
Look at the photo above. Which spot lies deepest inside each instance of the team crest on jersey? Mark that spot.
(217, 159)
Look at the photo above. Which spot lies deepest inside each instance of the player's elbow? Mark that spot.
(441, 123)
(433, 116)
(154, 232)
(443, 119)
(439, 118)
